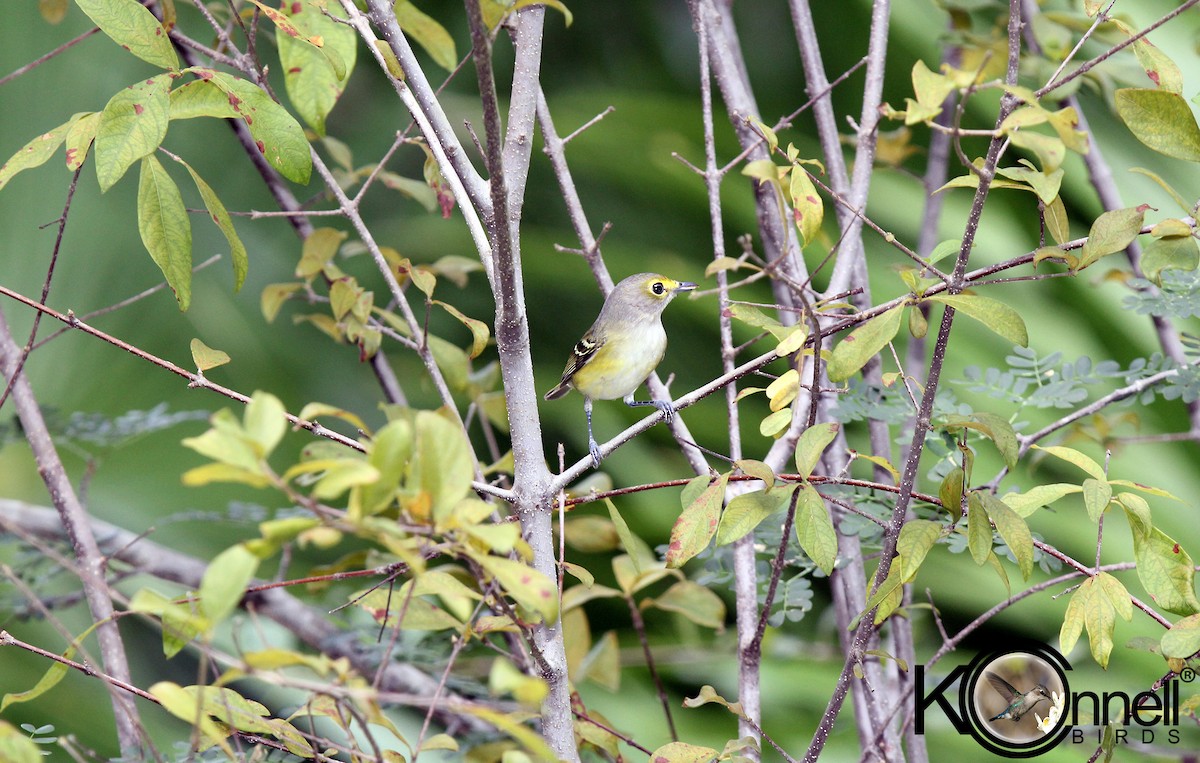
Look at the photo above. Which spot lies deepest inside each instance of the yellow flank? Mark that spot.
(621, 363)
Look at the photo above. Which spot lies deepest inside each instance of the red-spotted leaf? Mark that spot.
(132, 125)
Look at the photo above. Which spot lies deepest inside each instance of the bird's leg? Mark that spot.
(662, 405)
(593, 447)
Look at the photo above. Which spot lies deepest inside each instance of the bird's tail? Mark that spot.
(558, 390)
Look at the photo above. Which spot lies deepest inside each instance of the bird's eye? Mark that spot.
(658, 288)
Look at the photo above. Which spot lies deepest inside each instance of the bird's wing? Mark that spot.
(581, 353)
(1007, 690)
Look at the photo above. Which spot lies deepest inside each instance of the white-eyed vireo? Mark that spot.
(622, 347)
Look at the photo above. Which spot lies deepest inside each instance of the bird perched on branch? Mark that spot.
(622, 348)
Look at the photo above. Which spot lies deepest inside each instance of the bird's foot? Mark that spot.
(594, 449)
(667, 408)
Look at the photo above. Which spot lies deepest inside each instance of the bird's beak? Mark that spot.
(684, 286)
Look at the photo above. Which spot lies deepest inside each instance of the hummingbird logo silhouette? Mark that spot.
(1019, 702)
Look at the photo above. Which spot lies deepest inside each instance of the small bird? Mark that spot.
(1019, 703)
(622, 348)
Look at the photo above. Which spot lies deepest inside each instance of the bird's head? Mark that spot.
(647, 293)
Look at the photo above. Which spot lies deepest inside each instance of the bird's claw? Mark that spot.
(668, 410)
(594, 449)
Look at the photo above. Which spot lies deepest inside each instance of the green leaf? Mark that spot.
(390, 451)
(1072, 626)
(279, 137)
(16, 746)
(1096, 495)
(885, 599)
(132, 125)
(223, 472)
(853, 352)
(206, 357)
(1162, 120)
(697, 524)
(220, 216)
(783, 390)
(812, 444)
(708, 695)
(1177, 197)
(265, 421)
(184, 705)
(318, 249)
(807, 208)
(1029, 502)
(682, 752)
(36, 152)
(776, 423)
(1012, 529)
(504, 678)
(273, 297)
(758, 469)
(165, 229)
(695, 602)
(1183, 639)
(950, 492)
(746, 512)
(1049, 149)
(337, 475)
(1169, 253)
(1044, 184)
(314, 411)
(640, 555)
(992, 313)
(201, 98)
(1072, 456)
(417, 190)
(1100, 621)
(224, 582)
(995, 428)
(917, 537)
(528, 587)
(1164, 568)
(408, 612)
(1117, 595)
(80, 137)
(442, 467)
(1057, 221)
(315, 75)
(979, 530)
(480, 333)
(129, 24)
(929, 87)
(428, 33)
(1159, 67)
(51, 678)
(814, 529)
(1112, 232)
(180, 623)
(287, 529)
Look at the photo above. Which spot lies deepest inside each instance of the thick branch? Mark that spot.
(75, 523)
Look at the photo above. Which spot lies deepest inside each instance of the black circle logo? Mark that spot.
(1015, 699)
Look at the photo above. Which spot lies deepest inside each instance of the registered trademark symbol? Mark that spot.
(1187, 675)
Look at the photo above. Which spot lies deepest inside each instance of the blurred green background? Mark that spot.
(640, 58)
